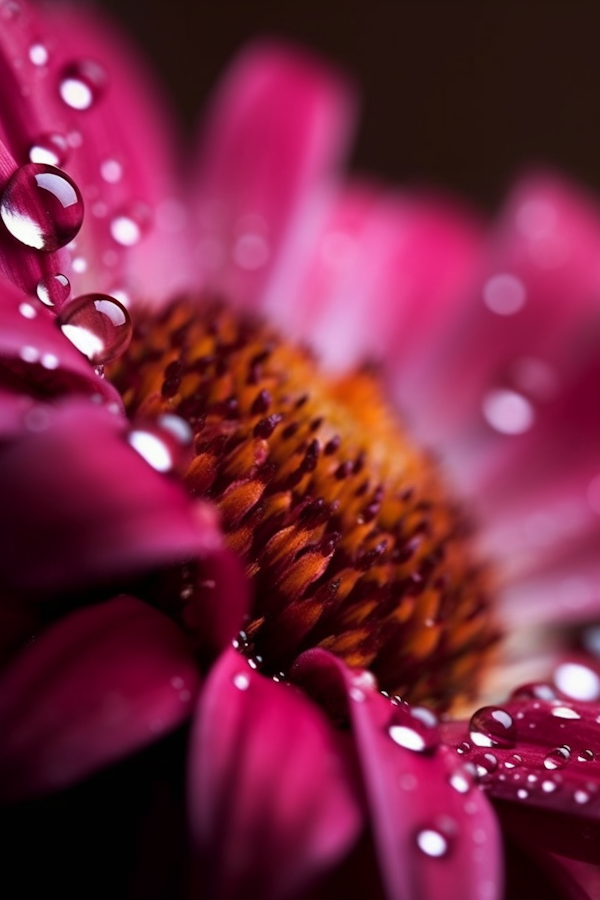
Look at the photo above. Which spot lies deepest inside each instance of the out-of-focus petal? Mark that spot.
(435, 834)
(272, 801)
(277, 128)
(76, 495)
(104, 681)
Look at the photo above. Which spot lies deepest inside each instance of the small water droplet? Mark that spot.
(98, 325)
(82, 83)
(241, 681)
(508, 412)
(41, 207)
(485, 764)
(534, 691)
(27, 310)
(51, 149)
(585, 756)
(581, 797)
(54, 290)
(522, 794)
(557, 758)
(128, 226)
(463, 748)
(413, 729)
(432, 843)
(461, 781)
(513, 761)
(565, 712)
(38, 54)
(492, 726)
(111, 170)
(549, 787)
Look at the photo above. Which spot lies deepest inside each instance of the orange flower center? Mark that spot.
(346, 528)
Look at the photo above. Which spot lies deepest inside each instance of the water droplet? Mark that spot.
(461, 781)
(534, 691)
(38, 54)
(51, 149)
(111, 170)
(82, 83)
(41, 207)
(522, 794)
(504, 294)
(565, 712)
(492, 726)
(463, 748)
(128, 226)
(581, 797)
(413, 730)
(485, 764)
(98, 326)
(508, 412)
(241, 681)
(27, 310)
(53, 290)
(585, 756)
(557, 758)
(577, 681)
(513, 761)
(549, 787)
(432, 842)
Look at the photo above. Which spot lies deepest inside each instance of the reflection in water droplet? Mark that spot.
(492, 726)
(50, 148)
(432, 842)
(557, 758)
(41, 207)
(508, 412)
(577, 681)
(534, 691)
(82, 83)
(98, 325)
(53, 290)
(414, 729)
(152, 449)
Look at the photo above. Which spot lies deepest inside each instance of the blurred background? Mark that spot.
(460, 94)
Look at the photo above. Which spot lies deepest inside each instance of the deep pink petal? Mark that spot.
(134, 240)
(272, 800)
(101, 683)
(276, 129)
(435, 834)
(543, 772)
(80, 506)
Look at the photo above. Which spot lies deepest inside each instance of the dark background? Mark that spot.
(456, 93)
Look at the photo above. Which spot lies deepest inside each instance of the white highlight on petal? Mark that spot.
(508, 412)
(432, 843)
(152, 449)
(125, 231)
(76, 94)
(504, 294)
(577, 681)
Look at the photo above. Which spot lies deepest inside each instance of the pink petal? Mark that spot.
(80, 507)
(272, 800)
(102, 683)
(38, 359)
(435, 835)
(134, 239)
(276, 129)
(543, 772)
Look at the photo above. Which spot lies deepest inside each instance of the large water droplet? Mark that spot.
(41, 207)
(51, 149)
(98, 325)
(492, 726)
(53, 290)
(557, 758)
(432, 842)
(82, 83)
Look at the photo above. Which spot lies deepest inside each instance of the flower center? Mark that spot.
(345, 526)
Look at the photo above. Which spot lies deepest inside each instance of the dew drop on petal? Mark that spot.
(41, 207)
(492, 726)
(577, 681)
(565, 712)
(27, 311)
(508, 412)
(111, 170)
(485, 764)
(461, 781)
(557, 758)
(534, 691)
(53, 290)
(152, 449)
(463, 748)
(513, 761)
(128, 226)
(241, 681)
(522, 794)
(413, 730)
(98, 325)
(581, 797)
(549, 787)
(38, 54)
(585, 756)
(51, 148)
(82, 83)
(432, 842)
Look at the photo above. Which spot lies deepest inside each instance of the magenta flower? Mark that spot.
(236, 594)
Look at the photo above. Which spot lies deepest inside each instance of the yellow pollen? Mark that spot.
(346, 527)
